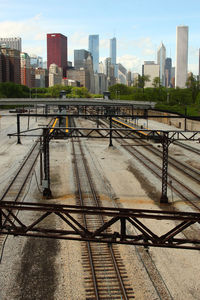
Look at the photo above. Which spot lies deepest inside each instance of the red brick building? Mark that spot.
(57, 51)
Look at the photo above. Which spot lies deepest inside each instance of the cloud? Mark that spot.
(27, 28)
(193, 68)
(130, 62)
(104, 43)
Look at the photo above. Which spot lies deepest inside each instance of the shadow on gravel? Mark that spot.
(37, 278)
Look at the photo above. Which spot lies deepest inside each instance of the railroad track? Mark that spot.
(15, 189)
(179, 187)
(106, 277)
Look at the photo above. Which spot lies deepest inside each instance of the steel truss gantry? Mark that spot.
(165, 137)
(126, 226)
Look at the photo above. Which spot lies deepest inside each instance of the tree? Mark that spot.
(156, 82)
(142, 80)
(193, 84)
(118, 90)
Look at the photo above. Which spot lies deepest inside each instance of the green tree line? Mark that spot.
(12, 90)
(169, 99)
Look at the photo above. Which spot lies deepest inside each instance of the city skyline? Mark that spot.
(139, 30)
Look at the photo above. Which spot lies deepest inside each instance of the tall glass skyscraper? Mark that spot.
(113, 54)
(113, 50)
(94, 50)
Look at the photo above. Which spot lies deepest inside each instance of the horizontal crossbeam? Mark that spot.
(174, 135)
(114, 229)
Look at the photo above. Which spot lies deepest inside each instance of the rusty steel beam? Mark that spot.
(139, 233)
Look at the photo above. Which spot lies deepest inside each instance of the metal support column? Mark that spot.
(97, 117)
(110, 144)
(41, 165)
(85, 110)
(165, 145)
(18, 129)
(46, 180)
(123, 228)
(46, 109)
(185, 119)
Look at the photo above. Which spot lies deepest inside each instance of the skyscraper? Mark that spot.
(161, 56)
(113, 50)
(57, 51)
(113, 54)
(181, 56)
(94, 50)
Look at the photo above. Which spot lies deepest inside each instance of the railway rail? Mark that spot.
(106, 276)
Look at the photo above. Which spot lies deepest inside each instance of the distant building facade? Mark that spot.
(55, 75)
(94, 50)
(129, 78)
(11, 70)
(57, 51)
(122, 74)
(25, 69)
(41, 78)
(36, 61)
(181, 56)
(80, 57)
(100, 83)
(168, 70)
(81, 75)
(152, 70)
(12, 43)
(110, 72)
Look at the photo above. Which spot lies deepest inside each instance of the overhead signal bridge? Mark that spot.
(139, 233)
(165, 137)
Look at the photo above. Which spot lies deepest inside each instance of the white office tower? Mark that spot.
(161, 56)
(181, 56)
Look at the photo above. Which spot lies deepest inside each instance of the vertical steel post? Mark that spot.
(165, 145)
(110, 144)
(46, 109)
(97, 117)
(18, 129)
(123, 228)
(41, 169)
(185, 119)
(46, 181)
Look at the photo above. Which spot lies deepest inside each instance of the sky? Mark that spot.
(139, 26)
